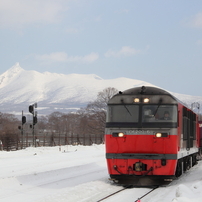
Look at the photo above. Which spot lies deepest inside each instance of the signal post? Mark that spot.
(34, 113)
(21, 128)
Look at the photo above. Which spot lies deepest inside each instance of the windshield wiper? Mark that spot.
(126, 107)
(160, 101)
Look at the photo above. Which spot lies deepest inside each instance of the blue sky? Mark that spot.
(157, 41)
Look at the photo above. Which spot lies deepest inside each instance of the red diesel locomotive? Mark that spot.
(151, 137)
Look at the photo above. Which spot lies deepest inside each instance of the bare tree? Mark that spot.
(42, 122)
(8, 131)
(105, 95)
(97, 110)
(54, 121)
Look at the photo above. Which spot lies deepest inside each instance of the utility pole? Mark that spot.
(22, 131)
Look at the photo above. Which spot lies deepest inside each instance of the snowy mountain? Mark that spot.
(58, 92)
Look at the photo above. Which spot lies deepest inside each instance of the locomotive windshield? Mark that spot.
(123, 113)
(154, 113)
(142, 115)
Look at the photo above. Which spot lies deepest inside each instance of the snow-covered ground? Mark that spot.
(79, 174)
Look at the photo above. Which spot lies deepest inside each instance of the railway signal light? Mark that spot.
(35, 120)
(23, 120)
(31, 109)
(34, 113)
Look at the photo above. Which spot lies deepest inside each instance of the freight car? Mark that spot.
(151, 137)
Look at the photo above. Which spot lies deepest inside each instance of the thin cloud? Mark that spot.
(126, 51)
(196, 21)
(64, 57)
(21, 12)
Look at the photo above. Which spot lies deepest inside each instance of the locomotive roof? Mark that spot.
(145, 90)
(148, 90)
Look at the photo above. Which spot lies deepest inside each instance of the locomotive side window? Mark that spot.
(189, 127)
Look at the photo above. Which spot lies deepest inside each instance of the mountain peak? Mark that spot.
(8, 76)
(16, 68)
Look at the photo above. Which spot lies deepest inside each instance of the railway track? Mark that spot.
(112, 194)
(138, 200)
(135, 200)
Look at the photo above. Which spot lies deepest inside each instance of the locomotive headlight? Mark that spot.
(161, 135)
(158, 135)
(121, 134)
(118, 134)
(146, 100)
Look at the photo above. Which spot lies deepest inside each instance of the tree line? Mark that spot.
(86, 126)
